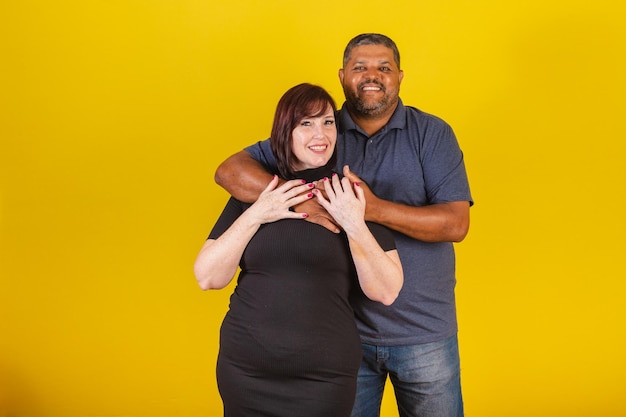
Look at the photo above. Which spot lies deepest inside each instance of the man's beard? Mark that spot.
(368, 109)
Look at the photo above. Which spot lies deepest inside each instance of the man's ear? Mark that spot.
(341, 75)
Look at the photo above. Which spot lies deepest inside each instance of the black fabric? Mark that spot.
(289, 344)
(314, 174)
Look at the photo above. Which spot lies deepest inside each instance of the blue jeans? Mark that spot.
(426, 379)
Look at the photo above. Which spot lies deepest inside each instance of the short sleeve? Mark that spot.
(262, 152)
(444, 168)
(231, 212)
(383, 235)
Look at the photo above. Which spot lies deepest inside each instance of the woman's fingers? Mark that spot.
(287, 195)
(299, 198)
(358, 190)
(295, 187)
(336, 187)
(329, 188)
(272, 184)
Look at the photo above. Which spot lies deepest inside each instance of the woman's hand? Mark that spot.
(379, 272)
(274, 203)
(344, 201)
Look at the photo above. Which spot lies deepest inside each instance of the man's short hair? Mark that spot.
(371, 39)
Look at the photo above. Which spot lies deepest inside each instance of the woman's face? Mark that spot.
(313, 140)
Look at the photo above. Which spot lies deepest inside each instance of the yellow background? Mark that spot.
(114, 115)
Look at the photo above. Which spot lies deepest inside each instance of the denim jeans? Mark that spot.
(426, 379)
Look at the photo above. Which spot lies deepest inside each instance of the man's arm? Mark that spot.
(445, 222)
(245, 178)
(242, 176)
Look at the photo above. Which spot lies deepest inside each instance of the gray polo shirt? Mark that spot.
(415, 160)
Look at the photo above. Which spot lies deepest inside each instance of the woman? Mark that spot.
(289, 344)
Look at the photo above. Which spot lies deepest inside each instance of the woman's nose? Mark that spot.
(318, 131)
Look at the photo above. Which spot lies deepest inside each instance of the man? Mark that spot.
(413, 174)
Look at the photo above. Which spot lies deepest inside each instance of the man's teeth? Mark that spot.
(371, 88)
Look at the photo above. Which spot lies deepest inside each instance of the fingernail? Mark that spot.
(334, 173)
(316, 191)
(309, 195)
(305, 215)
(356, 184)
(303, 182)
(325, 178)
(311, 185)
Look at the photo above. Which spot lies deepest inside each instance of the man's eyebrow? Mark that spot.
(365, 61)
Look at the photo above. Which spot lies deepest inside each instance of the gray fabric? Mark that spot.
(416, 160)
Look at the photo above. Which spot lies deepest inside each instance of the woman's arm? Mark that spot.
(379, 272)
(219, 258)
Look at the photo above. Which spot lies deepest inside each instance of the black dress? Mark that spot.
(289, 344)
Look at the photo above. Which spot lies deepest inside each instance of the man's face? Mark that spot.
(371, 81)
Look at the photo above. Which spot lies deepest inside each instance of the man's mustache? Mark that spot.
(363, 83)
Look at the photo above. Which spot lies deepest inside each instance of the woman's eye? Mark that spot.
(305, 123)
(329, 122)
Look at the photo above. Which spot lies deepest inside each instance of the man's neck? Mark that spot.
(370, 125)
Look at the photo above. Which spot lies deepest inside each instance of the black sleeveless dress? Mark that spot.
(289, 344)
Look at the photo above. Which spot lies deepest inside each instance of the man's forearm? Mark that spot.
(447, 222)
(245, 178)
(242, 176)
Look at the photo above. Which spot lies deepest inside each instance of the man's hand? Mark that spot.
(317, 214)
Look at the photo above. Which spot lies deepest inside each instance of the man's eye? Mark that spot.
(385, 69)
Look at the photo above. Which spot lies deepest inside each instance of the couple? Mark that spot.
(414, 184)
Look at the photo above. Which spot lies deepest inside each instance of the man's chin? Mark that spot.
(370, 109)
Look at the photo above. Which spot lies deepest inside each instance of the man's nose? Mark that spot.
(372, 74)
